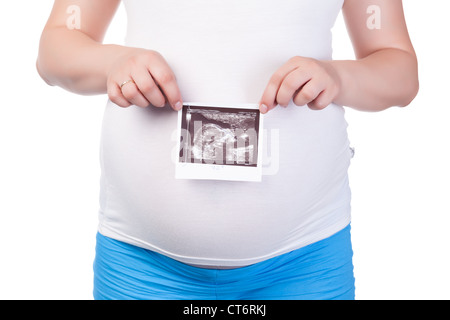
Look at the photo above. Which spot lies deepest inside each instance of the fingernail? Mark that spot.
(178, 106)
(263, 108)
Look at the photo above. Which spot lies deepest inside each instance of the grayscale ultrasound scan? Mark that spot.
(221, 136)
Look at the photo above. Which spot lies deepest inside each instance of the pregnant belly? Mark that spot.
(223, 222)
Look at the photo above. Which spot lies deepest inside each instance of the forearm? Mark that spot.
(381, 80)
(72, 60)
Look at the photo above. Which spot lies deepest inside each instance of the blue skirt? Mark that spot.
(320, 271)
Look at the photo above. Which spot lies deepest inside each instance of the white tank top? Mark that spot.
(225, 52)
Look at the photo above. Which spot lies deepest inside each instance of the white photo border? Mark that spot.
(202, 171)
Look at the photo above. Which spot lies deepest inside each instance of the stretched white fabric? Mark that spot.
(225, 52)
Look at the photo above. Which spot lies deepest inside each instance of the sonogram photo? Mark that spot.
(222, 136)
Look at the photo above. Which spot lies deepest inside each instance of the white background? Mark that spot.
(49, 170)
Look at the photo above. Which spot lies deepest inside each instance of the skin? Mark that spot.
(383, 75)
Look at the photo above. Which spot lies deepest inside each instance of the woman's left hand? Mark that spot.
(306, 81)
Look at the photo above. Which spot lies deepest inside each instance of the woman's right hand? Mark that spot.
(143, 78)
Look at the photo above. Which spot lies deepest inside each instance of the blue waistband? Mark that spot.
(322, 270)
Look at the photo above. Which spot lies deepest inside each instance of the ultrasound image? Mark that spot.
(222, 136)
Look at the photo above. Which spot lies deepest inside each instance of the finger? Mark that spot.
(268, 100)
(133, 95)
(165, 79)
(323, 100)
(310, 91)
(291, 84)
(148, 88)
(116, 96)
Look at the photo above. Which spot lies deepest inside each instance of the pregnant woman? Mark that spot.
(286, 237)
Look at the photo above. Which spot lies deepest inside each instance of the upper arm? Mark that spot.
(376, 24)
(94, 15)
